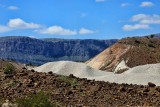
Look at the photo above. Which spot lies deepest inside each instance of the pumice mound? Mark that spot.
(68, 67)
(139, 75)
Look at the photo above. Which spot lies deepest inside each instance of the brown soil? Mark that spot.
(71, 91)
(134, 51)
(3, 63)
(144, 51)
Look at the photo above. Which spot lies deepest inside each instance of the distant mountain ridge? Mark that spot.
(39, 51)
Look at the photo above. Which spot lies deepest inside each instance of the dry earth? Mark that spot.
(134, 51)
(72, 91)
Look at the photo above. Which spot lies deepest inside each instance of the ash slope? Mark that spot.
(40, 51)
(139, 75)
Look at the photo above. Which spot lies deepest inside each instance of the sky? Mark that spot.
(79, 19)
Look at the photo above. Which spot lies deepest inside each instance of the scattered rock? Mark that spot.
(122, 89)
(32, 70)
(150, 84)
(8, 104)
(50, 72)
(85, 92)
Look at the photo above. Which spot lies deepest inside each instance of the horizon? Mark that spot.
(92, 19)
(79, 38)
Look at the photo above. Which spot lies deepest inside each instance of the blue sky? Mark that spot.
(79, 19)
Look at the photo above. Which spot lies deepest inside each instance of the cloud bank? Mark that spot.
(57, 30)
(18, 23)
(21, 24)
(143, 21)
(84, 31)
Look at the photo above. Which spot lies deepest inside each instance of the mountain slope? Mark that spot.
(38, 51)
(133, 51)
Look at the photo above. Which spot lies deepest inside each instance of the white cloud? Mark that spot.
(146, 4)
(12, 7)
(146, 19)
(21, 24)
(100, 0)
(125, 4)
(143, 21)
(4, 29)
(135, 27)
(57, 30)
(138, 17)
(84, 31)
(18, 23)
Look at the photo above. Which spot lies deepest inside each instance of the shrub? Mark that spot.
(1, 101)
(72, 81)
(151, 45)
(35, 100)
(29, 64)
(110, 51)
(9, 69)
(152, 36)
(137, 42)
(13, 84)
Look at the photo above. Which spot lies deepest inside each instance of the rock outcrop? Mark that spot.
(133, 51)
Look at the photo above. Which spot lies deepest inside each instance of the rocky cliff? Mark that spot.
(39, 51)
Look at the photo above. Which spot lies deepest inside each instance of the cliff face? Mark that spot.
(25, 49)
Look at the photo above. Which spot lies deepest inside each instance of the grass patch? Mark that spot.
(72, 81)
(13, 83)
(1, 101)
(36, 100)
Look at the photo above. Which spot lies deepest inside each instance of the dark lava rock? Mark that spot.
(151, 84)
(88, 93)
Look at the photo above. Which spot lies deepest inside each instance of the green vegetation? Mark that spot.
(151, 45)
(13, 83)
(152, 35)
(72, 81)
(29, 64)
(1, 101)
(137, 42)
(9, 69)
(36, 100)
